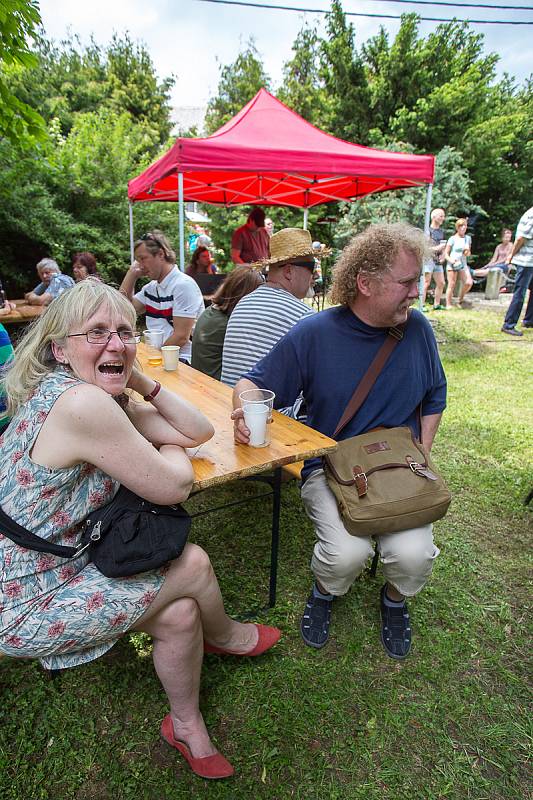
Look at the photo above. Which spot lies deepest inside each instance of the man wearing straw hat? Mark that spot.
(262, 317)
(325, 357)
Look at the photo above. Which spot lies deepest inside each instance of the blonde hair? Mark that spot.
(373, 252)
(459, 222)
(34, 358)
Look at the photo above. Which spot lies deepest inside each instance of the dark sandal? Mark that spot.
(316, 619)
(395, 629)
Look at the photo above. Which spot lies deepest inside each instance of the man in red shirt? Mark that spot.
(250, 242)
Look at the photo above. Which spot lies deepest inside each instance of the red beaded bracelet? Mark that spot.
(153, 394)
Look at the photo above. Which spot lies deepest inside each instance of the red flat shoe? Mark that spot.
(210, 767)
(267, 638)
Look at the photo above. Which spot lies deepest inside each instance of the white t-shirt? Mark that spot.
(524, 257)
(176, 296)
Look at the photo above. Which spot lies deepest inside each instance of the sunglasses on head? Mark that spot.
(149, 237)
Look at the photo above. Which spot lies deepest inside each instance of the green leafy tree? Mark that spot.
(303, 88)
(345, 81)
(19, 123)
(69, 79)
(451, 191)
(108, 118)
(238, 83)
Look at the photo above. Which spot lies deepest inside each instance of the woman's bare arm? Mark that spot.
(87, 425)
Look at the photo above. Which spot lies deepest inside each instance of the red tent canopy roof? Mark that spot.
(267, 154)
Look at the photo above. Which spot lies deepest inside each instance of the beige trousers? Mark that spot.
(338, 557)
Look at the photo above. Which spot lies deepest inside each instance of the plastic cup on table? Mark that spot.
(146, 338)
(157, 339)
(171, 357)
(257, 405)
(256, 420)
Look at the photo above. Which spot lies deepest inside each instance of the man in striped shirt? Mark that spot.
(261, 318)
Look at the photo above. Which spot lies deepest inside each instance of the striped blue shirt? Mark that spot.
(258, 321)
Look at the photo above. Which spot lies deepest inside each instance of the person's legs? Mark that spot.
(527, 322)
(452, 279)
(337, 558)
(177, 636)
(427, 283)
(407, 559)
(192, 576)
(467, 282)
(438, 277)
(188, 607)
(522, 282)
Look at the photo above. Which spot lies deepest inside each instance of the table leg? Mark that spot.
(276, 507)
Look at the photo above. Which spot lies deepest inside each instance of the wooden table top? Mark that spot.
(221, 459)
(23, 312)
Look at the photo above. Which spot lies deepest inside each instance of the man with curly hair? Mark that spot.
(325, 356)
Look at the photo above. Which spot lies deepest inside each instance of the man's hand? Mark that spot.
(136, 270)
(127, 287)
(241, 433)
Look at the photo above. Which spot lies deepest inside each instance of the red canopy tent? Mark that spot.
(268, 155)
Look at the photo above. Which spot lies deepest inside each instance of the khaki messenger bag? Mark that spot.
(383, 480)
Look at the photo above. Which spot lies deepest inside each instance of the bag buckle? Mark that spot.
(361, 483)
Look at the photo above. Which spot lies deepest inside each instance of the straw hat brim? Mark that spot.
(306, 252)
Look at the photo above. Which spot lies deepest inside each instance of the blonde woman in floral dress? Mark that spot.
(68, 447)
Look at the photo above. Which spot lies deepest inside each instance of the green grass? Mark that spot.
(346, 722)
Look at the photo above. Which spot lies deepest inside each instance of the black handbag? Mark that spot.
(127, 536)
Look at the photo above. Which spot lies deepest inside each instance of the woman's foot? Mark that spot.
(252, 640)
(198, 750)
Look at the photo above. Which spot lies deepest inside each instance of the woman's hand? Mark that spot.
(167, 419)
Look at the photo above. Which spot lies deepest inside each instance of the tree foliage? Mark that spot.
(344, 78)
(451, 190)
(424, 95)
(68, 79)
(302, 88)
(19, 123)
(238, 83)
(108, 117)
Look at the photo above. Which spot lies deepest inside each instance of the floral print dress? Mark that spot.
(63, 611)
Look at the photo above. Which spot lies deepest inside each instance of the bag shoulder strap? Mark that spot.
(25, 538)
(394, 336)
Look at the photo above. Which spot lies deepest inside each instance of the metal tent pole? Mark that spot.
(428, 208)
(426, 231)
(130, 210)
(181, 221)
(306, 214)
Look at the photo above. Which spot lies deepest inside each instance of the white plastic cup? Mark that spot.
(256, 420)
(157, 339)
(146, 338)
(171, 357)
(258, 396)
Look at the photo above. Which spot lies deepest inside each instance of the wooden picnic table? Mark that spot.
(23, 313)
(221, 459)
